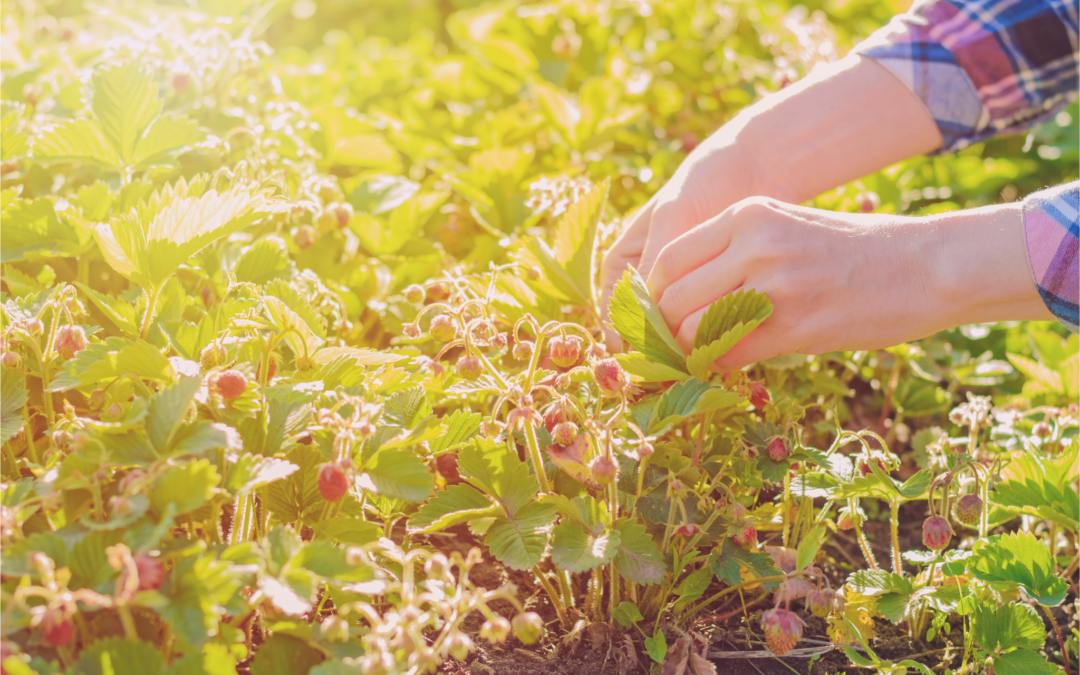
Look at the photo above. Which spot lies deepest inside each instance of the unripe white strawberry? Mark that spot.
(968, 509)
(565, 433)
(936, 533)
(564, 351)
(783, 630)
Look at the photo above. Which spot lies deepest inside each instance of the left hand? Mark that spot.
(842, 281)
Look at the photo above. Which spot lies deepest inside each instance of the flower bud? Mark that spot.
(414, 293)
(459, 645)
(469, 367)
(688, 530)
(528, 627)
(61, 438)
(11, 360)
(603, 469)
(1042, 429)
(564, 351)
(433, 367)
(968, 509)
(533, 273)
(115, 411)
(778, 450)
(610, 376)
(936, 533)
(565, 433)
(442, 328)
(34, 327)
(411, 331)
(70, 340)
(354, 555)
(495, 629)
(305, 363)
(783, 630)
(335, 629)
(645, 450)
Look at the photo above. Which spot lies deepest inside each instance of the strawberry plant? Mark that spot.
(303, 366)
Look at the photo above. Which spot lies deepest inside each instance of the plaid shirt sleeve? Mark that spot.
(1052, 231)
(983, 67)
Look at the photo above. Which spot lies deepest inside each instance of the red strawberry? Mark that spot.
(783, 630)
(688, 530)
(745, 535)
(333, 483)
(230, 384)
(56, 628)
(759, 396)
(446, 465)
(936, 533)
(778, 450)
(151, 572)
(555, 416)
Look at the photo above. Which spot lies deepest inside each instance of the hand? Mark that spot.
(840, 281)
(841, 122)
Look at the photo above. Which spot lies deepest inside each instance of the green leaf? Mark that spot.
(656, 646)
(14, 142)
(264, 260)
(575, 239)
(213, 659)
(1005, 627)
(458, 427)
(728, 561)
(12, 398)
(121, 313)
(297, 496)
(399, 474)
(640, 366)
(285, 655)
(108, 360)
(407, 408)
(251, 472)
(688, 398)
(492, 468)
(125, 102)
(809, 547)
(455, 505)
(638, 557)
(1043, 488)
(330, 561)
(637, 319)
(186, 486)
(168, 408)
(575, 550)
(32, 229)
(732, 317)
(1022, 559)
(75, 141)
(1023, 662)
(626, 614)
(1038, 372)
(116, 656)
(382, 193)
(347, 530)
(168, 133)
(520, 542)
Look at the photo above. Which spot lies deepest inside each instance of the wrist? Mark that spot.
(980, 270)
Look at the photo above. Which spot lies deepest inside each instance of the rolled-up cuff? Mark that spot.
(1052, 233)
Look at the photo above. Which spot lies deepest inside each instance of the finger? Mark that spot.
(627, 250)
(670, 221)
(689, 252)
(700, 287)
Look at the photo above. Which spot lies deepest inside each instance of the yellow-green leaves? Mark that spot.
(570, 267)
(148, 243)
(126, 130)
(637, 319)
(726, 321)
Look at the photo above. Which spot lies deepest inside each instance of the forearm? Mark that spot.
(840, 123)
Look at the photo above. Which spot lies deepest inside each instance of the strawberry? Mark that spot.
(333, 483)
(688, 530)
(230, 384)
(442, 328)
(11, 360)
(968, 509)
(304, 237)
(936, 533)
(410, 330)
(70, 340)
(745, 535)
(610, 376)
(779, 450)
(528, 627)
(469, 367)
(554, 416)
(565, 433)
(523, 350)
(151, 572)
(603, 469)
(56, 628)
(495, 629)
(564, 351)
(212, 355)
(446, 465)
(820, 602)
(783, 630)
(414, 293)
(759, 396)
(689, 142)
